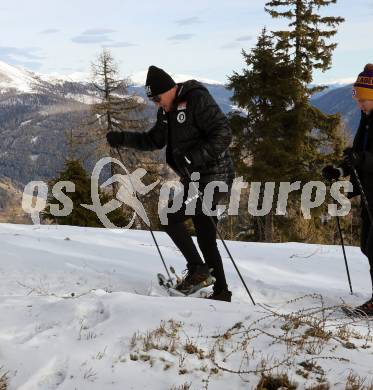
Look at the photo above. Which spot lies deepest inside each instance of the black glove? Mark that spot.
(181, 159)
(115, 138)
(331, 173)
(352, 157)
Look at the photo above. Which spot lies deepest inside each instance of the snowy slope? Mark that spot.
(23, 80)
(81, 309)
(57, 78)
(14, 77)
(137, 78)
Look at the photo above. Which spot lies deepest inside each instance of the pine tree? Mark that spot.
(281, 137)
(305, 42)
(80, 216)
(306, 38)
(265, 90)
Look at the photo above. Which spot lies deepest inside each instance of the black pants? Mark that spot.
(205, 228)
(367, 240)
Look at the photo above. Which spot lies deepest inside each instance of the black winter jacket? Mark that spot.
(363, 142)
(196, 127)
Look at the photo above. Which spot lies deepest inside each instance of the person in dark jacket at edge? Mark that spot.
(360, 155)
(197, 135)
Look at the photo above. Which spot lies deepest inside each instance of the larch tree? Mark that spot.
(116, 109)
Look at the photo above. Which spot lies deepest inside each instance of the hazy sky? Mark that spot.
(197, 37)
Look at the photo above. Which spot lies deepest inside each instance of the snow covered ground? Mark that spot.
(81, 309)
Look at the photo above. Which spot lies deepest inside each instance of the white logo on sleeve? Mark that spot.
(181, 117)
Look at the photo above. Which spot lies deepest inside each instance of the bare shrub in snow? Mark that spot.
(3, 380)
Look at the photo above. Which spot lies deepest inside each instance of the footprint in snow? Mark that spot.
(48, 377)
(35, 331)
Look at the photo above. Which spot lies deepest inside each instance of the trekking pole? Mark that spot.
(344, 253)
(200, 195)
(149, 227)
(362, 192)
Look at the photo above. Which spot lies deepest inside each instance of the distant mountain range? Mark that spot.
(340, 100)
(37, 111)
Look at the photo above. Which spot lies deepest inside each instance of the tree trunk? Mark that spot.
(268, 228)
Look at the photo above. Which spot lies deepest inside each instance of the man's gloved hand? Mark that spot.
(331, 173)
(115, 138)
(352, 157)
(181, 159)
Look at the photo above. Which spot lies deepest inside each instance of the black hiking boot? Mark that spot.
(222, 295)
(195, 279)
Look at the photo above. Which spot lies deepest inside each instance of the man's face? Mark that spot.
(166, 99)
(365, 105)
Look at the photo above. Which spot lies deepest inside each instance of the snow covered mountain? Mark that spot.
(36, 113)
(81, 309)
(37, 110)
(17, 78)
(23, 80)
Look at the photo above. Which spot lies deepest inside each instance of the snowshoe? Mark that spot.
(168, 286)
(195, 279)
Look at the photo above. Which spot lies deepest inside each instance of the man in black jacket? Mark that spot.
(197, 136)
(360, 156)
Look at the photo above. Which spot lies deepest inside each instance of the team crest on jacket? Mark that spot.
(181, 117)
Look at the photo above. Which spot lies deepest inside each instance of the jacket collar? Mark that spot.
(180, 88)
